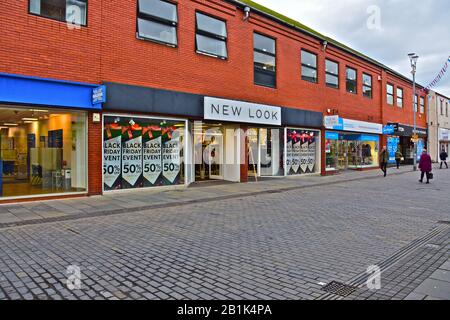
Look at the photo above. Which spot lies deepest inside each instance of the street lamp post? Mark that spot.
(413, 59)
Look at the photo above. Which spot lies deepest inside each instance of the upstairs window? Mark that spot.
(309, 66)
(446, 109)
(332, 74)
(264, 60)
(211, 36)
(71, 11)
(157, 21)
(400, 97)
(422, 105)
(415, 103)
(442, 107)
(351, 81)
(390, 94)
(367, 85)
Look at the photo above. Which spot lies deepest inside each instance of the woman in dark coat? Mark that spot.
(425, 166)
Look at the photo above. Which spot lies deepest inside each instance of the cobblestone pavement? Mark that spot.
(122, 202)
(273, 245)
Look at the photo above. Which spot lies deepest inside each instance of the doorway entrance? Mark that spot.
(209, 152)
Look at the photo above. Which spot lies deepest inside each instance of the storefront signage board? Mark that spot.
(357, 126)
(389, 129)
(99, 95)
(241, 112)
(330, 121)
(444, 134)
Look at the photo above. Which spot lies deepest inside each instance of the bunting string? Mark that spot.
(438, 78)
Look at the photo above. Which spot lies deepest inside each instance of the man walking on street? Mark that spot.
(443, 157)
(384, 157)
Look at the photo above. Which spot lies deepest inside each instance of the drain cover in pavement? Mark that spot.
(339, 288)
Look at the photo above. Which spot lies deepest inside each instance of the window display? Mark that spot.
(301, 151)
(142, 152)
(42, 152)
(351, 151)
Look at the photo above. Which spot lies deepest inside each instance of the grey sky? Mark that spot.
(407, 26)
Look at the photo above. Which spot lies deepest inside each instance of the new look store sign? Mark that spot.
(239, 111)
(356, 126)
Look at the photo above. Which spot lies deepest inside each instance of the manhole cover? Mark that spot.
(339, 288)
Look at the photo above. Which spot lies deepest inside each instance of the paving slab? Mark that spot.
(435, 288)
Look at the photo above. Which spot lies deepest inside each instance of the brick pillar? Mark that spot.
(94, 156)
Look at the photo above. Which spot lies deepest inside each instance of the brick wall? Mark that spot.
(108, 50)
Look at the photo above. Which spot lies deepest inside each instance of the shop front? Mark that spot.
(352, 145)
(402, 139)
(444, 140)
(161, 138)
(43, 136)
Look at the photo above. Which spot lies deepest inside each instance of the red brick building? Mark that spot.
(185, 83)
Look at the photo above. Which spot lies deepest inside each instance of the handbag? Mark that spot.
(430, 176)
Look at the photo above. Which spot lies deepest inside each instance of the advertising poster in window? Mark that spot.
(304, 157)
(311, 155)
(132, 156)
(152, 161)
(296, 151)
(171, 159)
(420, 147)
(288, 156)
(112, 153)
(392, 146)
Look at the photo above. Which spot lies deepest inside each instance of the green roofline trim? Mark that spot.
(305, 29)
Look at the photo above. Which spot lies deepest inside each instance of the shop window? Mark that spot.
(332, 74)
(367, 85)
(422, 105)
(301, 151)
(71, 11)
(309, 66)
(157, 21)
(42, 152)
(351, 151)
(211, 36)
(142, 152)
(351, 80)
(264, 60)
(400, 97)
(390, 94)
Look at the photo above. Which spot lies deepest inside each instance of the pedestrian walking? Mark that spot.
(425, 166)
(384, 157)
(443, 157)
(398, 158)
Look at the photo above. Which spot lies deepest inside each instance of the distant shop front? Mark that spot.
(403, 139)
(351, 145)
